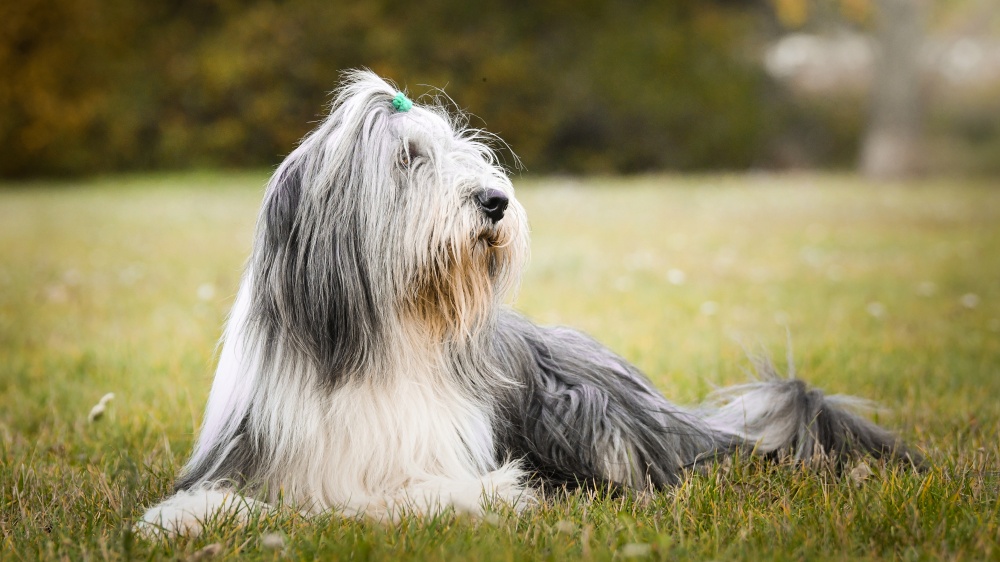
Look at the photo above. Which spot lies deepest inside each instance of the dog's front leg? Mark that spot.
(504, 486)
(188, 512)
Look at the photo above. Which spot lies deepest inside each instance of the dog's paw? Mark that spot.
(506, 486)
(188, 512)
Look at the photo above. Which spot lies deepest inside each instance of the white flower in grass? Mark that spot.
(708, 308)
(206, 291)
(98, 410)
(272, 541)
(969, 300)
(209, 551)
(564, 527)
(635, 550)
(876, 309)
(676, 276)
(860, 473)
(812, 256)
(926, 289)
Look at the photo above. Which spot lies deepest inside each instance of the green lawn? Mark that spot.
(890, 293)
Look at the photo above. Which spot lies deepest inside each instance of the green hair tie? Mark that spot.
(401, 102)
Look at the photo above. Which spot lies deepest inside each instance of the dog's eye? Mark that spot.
(408, 154)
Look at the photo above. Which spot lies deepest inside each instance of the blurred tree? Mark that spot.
(892, 144)
(891, 141)
(583, 86)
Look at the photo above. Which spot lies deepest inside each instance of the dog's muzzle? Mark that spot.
(493, 203)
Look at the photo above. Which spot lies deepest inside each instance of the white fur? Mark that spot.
(408, 441)
(234, 378)
(187, 512)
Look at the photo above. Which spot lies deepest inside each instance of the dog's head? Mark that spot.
(385, 218)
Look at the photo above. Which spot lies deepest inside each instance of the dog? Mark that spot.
(370, 364)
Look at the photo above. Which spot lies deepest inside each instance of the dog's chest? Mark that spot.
(384, 435)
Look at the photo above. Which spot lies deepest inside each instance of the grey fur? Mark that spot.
(373, 266)
(582, 403)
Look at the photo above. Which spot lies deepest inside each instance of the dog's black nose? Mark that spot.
(493, 203)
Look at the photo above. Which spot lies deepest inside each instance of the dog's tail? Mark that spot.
(784, 416)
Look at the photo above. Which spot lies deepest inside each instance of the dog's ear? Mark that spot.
(281, 206)
(312, 285)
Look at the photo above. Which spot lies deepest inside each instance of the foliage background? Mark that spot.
(94, 86)
(588, 86)
(98, 85)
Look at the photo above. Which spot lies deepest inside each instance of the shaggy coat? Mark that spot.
(370, 366)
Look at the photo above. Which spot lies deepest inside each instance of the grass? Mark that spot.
(891, 293)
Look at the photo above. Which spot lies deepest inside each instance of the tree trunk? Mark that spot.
(892, 144)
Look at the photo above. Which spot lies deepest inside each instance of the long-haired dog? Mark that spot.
(371, 367)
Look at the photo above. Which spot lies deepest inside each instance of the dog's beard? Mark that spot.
(467, 280)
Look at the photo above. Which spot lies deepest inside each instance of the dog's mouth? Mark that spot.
(490, 237)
